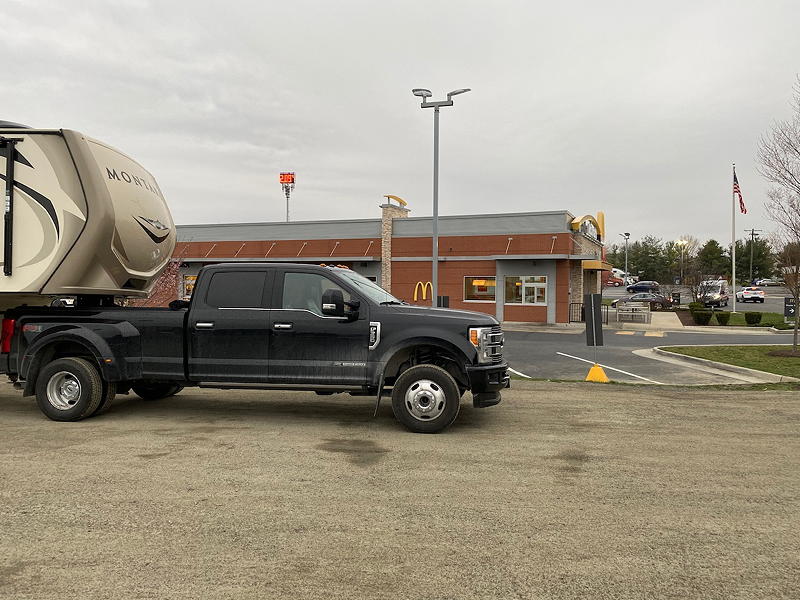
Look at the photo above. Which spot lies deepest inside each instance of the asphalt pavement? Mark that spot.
(556, 354)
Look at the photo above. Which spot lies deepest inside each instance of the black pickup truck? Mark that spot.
(268, 326)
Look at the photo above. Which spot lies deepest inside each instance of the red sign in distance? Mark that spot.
(287, 178)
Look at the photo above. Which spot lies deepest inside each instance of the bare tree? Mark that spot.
(168, 285)
(779, 163)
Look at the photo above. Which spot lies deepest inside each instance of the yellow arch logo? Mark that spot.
(424, 287)
(598, 222)
(399, 200)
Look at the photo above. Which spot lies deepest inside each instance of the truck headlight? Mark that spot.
(488, 344)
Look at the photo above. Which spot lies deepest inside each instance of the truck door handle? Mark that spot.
(204, 325)
(282, 326)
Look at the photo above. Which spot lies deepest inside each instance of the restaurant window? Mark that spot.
(188, 286)
(526, 290)
(479, 289)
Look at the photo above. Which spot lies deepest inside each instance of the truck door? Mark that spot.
(229, 327)
(308, 347)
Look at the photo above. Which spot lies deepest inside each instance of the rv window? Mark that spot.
(236, 289)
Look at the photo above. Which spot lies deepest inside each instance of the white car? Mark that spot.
(750, 294)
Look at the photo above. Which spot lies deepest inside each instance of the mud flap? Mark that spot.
(378, 398)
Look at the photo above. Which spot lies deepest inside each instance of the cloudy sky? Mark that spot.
(634, 108)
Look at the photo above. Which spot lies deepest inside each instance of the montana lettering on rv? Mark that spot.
(132, 179)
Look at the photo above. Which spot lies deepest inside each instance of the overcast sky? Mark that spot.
(634, 108)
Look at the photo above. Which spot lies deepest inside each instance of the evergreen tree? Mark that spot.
(763, 259)
(712, 261)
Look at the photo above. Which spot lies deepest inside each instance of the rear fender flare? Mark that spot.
(112, 367)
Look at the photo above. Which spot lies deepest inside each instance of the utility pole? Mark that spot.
(753, 235)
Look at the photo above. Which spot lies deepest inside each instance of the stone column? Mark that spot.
(575, 281)
(389, 212)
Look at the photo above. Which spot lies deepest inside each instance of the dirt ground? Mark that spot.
(561, 491)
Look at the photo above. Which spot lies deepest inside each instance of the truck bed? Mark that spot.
(152, 337)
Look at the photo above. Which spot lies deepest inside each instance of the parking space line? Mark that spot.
(520, 374)
(591, 362)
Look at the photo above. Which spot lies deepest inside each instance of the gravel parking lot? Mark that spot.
(562, 491)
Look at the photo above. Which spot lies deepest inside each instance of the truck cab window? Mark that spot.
(236, 289)
(304, 291)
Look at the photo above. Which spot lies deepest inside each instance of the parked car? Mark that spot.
(714, 292)
(769, 281)
(643, 286)
(613, 281)
(656, 301)
(750, 294)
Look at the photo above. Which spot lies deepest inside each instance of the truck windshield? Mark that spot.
(370, 289)
(711, 288)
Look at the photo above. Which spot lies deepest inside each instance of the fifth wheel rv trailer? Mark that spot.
(80, 219)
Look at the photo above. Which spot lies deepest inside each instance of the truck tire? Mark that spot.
(69, 389)
(155, 390)
(109, 392)
(425, 399)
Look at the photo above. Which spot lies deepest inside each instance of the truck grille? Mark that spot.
(495, 346)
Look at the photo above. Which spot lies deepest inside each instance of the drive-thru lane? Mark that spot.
(537, 354)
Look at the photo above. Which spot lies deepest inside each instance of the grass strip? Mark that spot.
(751, 357)
(768, 319)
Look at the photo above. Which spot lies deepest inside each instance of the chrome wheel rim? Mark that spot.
(425, 400)
(63, 390)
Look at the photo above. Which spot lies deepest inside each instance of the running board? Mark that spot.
(292, 387)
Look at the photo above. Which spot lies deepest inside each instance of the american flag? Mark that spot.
(737, 191)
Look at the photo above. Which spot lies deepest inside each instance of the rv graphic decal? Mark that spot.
(157, 231)
(17, 156)
(45, 202)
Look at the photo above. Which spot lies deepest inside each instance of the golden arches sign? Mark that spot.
(398, 199)
(598, 222)
(424, 287)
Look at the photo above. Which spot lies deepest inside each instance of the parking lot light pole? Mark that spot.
(627, 237)
(682, 244)
(425, 94)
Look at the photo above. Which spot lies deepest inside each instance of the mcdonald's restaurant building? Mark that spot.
(524, 267)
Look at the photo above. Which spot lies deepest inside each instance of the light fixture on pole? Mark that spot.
(435, 105)
(626, 236)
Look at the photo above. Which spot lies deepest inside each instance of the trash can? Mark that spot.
(676, 297)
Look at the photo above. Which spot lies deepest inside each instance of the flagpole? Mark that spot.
(733, 240)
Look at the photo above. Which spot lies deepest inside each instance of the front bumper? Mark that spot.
(486, 381)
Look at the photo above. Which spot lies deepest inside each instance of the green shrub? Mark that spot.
(752, 318)
(693, 306)
(702, 317)
(723, 317)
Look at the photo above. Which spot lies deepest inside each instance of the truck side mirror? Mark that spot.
(333, 302)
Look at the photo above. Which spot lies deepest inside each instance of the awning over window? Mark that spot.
(596, 265)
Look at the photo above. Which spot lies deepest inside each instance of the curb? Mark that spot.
(767, 377)
(730, 329)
